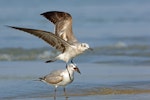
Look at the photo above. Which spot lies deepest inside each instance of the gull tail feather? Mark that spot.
(49, 61)
(40, 79)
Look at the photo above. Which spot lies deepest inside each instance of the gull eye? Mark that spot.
(75, 68)
(83, 45)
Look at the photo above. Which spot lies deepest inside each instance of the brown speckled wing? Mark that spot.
(63, 24)
(48, 37)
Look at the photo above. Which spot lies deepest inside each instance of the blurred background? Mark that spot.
(118, 30)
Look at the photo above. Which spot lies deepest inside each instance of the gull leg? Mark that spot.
(68, 71)
(65, 92)
(55, 93)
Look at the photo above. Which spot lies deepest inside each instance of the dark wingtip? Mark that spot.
(8, 26)
(11, 26)
(49, 61)
(41, 78)
(45, 13)
(42, 14)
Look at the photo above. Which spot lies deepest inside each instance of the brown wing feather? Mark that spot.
(63, 22)
(48, 37)
(56, 16)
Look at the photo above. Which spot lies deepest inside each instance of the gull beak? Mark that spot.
(91, 49)
(77, 70)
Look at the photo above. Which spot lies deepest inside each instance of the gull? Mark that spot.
(61, 77)
(62, 39)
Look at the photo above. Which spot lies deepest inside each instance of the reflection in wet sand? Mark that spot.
(119, 89)
(99, 91)
(109, 91)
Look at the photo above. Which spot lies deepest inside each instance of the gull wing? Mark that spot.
(54, 77)
(48, 37)
(63, 24)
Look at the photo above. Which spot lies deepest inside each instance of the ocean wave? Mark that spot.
(16, 54)
(119, 49)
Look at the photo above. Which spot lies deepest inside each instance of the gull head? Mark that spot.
(74, 67)
(85, 46)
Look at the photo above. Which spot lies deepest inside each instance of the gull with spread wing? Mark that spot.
(62, 39)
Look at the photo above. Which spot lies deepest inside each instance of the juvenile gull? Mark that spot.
(61, 77)
(62, 39)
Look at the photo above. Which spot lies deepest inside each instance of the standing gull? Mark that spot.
(61, 77)
(62, 39)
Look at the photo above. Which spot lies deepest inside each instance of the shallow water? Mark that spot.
(97, 81)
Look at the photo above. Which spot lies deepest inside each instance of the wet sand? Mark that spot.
(97, 81)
